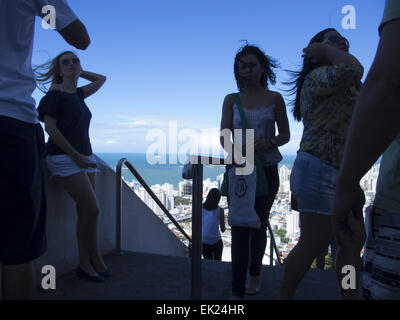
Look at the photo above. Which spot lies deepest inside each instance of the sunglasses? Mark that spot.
(66, 62)
(336, 39)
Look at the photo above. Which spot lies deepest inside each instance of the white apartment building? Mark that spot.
(284, 187)
(208, 185)
(292, 223)
(168, 188)
(220, 179)
(284, 174)
(167, 201)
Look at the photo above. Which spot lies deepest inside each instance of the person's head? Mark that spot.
(335, 39)
(212, 200)
(328, 36)
(253, 67)
(65, 65)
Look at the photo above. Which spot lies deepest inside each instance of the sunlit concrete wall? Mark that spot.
(142, 230)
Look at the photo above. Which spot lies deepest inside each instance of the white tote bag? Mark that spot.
(242, 194)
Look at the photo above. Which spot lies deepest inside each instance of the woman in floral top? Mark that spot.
(326, 92)
(328, 96)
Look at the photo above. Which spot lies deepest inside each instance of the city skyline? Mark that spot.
(282, 217)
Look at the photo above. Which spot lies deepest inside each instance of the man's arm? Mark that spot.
(221, 219)
(67, 24)
(375, 121)
(76, 35)
(374, 125)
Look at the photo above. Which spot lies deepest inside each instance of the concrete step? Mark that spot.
(144, 276)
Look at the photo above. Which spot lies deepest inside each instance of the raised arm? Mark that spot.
(327, 55)
(336, 56)
(76, 35)
(97, 82)
(340, 69)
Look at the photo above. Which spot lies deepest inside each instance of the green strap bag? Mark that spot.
(262, 182)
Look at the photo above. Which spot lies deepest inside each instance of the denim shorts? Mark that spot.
(63, 165)
(313, 184)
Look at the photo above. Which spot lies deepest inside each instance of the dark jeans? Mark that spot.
(213, 251)
(249, 243)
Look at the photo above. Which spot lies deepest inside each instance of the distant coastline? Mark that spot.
(166, 173)
(169, 173)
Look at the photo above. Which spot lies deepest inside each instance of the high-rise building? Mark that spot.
(220, 179)
(292, 223)
(171, 202)
(284, 186)
(284, 174)
(185, 188)
(168, 188)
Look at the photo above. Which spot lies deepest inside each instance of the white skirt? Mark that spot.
(63, 165)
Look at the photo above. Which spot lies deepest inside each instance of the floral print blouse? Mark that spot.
(327, 99)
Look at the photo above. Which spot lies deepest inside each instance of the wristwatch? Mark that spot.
(273, 142)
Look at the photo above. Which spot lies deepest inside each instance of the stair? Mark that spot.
(145, 276)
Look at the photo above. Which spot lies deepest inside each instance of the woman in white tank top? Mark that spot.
(264, 109)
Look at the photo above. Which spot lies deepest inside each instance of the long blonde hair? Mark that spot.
(49, 72)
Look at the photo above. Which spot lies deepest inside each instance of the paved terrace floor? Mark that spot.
(139, 276)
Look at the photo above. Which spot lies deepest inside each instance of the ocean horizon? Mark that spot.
(166, 173)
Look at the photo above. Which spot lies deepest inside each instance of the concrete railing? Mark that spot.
(142, 230)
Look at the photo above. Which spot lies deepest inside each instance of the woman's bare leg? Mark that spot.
(80, 188)
(97, 260)
(316, 235)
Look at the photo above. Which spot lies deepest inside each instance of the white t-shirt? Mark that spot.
(17, 80)
(210, 232)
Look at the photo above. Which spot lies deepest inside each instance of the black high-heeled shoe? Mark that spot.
(84, 275)
(105, 274)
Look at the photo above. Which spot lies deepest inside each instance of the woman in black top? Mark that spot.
(69, 154)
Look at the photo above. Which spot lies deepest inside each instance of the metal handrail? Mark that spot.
(194, 170)
(151, 193)
(273, 247)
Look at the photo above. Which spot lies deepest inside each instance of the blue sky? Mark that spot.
(173, 60)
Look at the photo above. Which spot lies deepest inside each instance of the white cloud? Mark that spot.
(147, 121)
(128, 134)
(110, 142)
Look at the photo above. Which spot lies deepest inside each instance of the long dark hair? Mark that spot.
(266, 62)
(299, 76)
(49, 72)
(212, 200)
